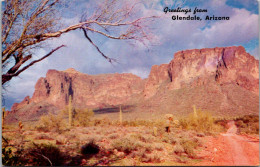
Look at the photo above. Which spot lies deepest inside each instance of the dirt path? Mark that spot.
(231, 149)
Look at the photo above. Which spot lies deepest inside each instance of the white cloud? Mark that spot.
(141, 72)
(242, 27)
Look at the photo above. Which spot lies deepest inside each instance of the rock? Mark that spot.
(226, 65)
(87, 91)
(216, 79)
(17, 106)
(157, 76)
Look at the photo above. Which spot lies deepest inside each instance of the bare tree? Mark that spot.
(29, 24)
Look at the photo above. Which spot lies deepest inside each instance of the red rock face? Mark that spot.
(157, 76)
(227, 65)
(214, 69)
(17, 106)
(86, 90)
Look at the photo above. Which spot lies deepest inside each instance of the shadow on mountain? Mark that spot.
(114, 109)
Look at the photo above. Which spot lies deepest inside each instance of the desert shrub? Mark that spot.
(138, 154)
(79, 117)
(169, 138)
(201, 122)
(189, 145)
(43, 137)
(127, 162)
(248, 124)
(102, 121)
(126, 145)
(241, 124)
(158, 146)
(200, 134)
(97, 122)
(182, 159)
(221, 122)
(83, 117)
(178, 149)
(45, 155)
(144, 138)
(60, 140)
(148, 147)
(90, 149)
(185, 144)
(155, 158)
(51, 122)
(113, 136)
(139, 123)
(9, 158)
(13, 156)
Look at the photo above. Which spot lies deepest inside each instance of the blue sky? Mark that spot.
(172, 36)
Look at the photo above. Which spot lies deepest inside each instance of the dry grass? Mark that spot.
(133, 143)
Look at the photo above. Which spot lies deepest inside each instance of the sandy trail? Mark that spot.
(231, 149)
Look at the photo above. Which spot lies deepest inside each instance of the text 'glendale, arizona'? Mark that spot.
(194, 17)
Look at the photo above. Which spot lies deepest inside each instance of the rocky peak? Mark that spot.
(226, 65)
(216, 72)
(71, 70)
(86, 90)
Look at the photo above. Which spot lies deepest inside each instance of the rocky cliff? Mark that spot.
(223, 80)
(227, 65)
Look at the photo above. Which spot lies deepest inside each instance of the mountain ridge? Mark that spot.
(209, 71)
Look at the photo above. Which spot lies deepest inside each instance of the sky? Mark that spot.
(170, 36)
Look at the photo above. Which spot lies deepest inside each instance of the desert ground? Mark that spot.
(195, 140)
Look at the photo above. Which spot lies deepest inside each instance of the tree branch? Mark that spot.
(108, 58)
(8, 76)
(26, 25)
(15, 45)
(45, 158)
(18, 64)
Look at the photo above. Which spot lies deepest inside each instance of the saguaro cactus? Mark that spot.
(120, 116)
(155, 131)
(3, 116)
(70, 111)
(195, 112)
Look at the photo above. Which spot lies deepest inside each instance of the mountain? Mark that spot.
(223, 80)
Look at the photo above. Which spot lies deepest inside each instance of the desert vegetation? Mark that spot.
(248, 124)
(79, 137)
